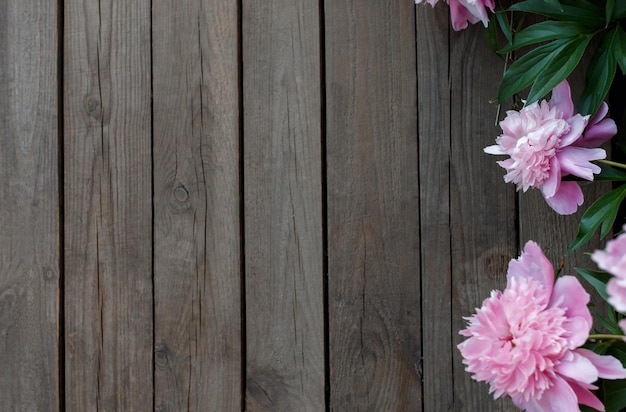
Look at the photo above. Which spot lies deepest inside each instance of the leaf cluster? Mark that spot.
(558, 46)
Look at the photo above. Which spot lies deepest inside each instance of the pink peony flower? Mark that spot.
(547, 141)
(613, 260)
(525, 341)
(464, 11)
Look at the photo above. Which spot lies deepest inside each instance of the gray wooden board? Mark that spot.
(373, 206)
(283, 205)
(196, 205)
(433, 91)
(482, 206)
(108, 213)
(29, 207)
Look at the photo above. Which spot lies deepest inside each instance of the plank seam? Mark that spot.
(242, 240)
(324, 181)
(61, 199)
(152, 204)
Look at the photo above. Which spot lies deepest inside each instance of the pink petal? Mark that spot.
(494, 150)
(567, 199)
(552, 183)
(617, 293)
(577, 125)
(608, 367)
(476, 9)
(532, 263)
(459, 16)
(600, 113)
(562, 99)
(578, 368)
(597, 134)
(585, 397)
(560, 397)
(576, 161)
(570, 295)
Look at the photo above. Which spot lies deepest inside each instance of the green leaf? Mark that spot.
(611, 175)
(597, 279)
(580, 11)
(558, 69)
(602, 212)
(504, 24)
(620, 48)
(614, 395)
(491, 34)
(611, 327)
(544, 31)
(600, 74)
(546, 65)
(619, 10)
(608, 11)
(554, 3)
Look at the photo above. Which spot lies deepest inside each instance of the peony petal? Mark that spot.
(533, 264)
(459, 16)
(477, 10)
(597, 134)
(577, 125)
(608, 367)
(560, 397)
(576, 161)
(552, 183)
(567, 199)
(494, 150)
(562, 99)
(578, 368)
(602, 111)
(585, 397)
(570, 295)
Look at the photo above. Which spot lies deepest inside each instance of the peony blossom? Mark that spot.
(547, 141)
(464, 11)
(525, 341)
(613, 260)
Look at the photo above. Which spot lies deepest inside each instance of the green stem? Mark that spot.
(605, 337)
(611, 163)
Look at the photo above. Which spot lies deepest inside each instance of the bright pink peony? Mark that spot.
(525, 341)
(613, 260)
(547, 141)
(464, 11)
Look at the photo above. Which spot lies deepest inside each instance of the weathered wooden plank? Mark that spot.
(196, 206)
(283, 205)
(373, 206)
(29, 207)
(433, 97)
(483, 210)
(108, 226)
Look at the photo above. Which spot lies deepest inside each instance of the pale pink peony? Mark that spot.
(464, 11)
(613, 260)
(525, 341)
(547, 141)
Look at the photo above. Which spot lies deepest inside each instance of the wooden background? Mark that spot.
(277, 205)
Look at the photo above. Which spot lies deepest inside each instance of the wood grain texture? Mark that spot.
(29, 207)
(433, 97)
(283, 205)
(483, 208)
(108, 225)
(373, 206)
(196, 206)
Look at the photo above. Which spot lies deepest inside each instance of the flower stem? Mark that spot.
(611, 163)
(605, 337)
